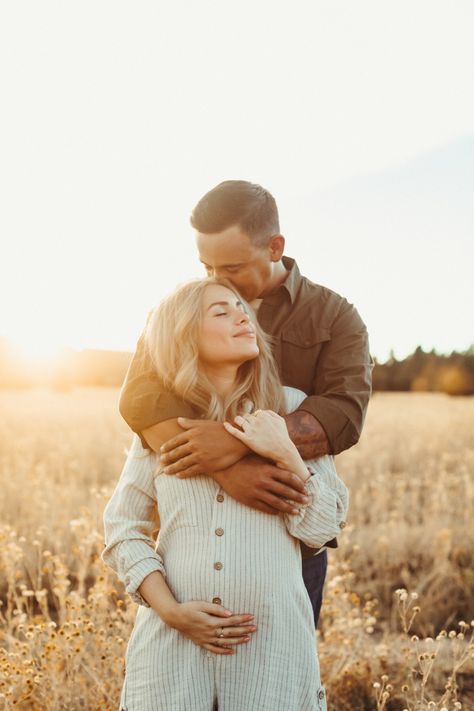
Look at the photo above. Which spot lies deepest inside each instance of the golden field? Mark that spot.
(396, 628)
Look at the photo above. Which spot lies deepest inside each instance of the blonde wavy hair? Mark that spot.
(172, 340)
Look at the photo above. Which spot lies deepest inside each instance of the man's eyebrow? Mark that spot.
(223, 266)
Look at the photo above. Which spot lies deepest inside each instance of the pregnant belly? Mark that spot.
(237, 565)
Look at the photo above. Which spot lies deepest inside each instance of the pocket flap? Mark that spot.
(303, 338)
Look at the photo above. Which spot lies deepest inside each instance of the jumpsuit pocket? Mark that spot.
(321, 696)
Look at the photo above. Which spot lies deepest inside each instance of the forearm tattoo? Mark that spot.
(308, 434)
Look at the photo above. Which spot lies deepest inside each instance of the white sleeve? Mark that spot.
(323, 517)
(131, 522)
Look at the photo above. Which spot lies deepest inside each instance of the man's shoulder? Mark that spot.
(320, 291)
(323, 306)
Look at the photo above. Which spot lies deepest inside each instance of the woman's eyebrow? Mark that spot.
(223, 303)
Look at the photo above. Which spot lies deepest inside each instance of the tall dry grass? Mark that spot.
(396, 624)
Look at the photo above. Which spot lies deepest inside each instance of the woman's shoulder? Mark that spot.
(293, 398)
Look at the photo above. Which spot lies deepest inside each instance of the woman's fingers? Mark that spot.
(232, 641)
(227, 617)
(217, 650)
(242, 631)
(234, 431)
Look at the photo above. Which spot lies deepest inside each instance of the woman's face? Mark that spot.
(227, 335)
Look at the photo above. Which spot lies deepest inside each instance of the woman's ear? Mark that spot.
(277, 247)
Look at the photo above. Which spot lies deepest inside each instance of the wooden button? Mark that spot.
(218, 566)
(217, 601)
(220, 498)
(219, 531)
(343, 524)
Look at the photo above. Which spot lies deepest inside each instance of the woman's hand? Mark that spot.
(265, 433)
(210, 626)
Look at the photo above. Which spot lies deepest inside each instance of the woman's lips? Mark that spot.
(246, 334)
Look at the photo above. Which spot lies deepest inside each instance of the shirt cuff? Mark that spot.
(137, 574)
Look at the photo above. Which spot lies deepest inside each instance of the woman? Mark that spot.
(224, 619)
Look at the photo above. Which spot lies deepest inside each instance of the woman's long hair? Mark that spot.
(172, 339)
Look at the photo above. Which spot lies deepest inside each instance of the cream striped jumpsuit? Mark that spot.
(259, 572)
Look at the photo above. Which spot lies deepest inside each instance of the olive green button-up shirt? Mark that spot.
(320, 344)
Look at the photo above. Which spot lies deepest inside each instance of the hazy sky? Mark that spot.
(118, 116)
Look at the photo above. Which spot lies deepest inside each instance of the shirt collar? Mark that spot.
(293, 279)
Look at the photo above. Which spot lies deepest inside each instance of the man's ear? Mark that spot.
(277, 247)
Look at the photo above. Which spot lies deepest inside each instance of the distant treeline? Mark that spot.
(428, 372)
(420, 371)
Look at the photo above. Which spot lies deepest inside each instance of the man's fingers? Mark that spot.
(280, 505)
(177, 441)
(186, 423)
(181, 464)
(176, 454)
(263, 506)
(290, 479)
(194, 470)
(287, 492)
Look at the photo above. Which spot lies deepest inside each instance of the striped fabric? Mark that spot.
(200, 525)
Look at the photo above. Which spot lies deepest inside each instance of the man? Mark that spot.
(321, 347)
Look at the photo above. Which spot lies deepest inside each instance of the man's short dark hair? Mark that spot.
(238, 202)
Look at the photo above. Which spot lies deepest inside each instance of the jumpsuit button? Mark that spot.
(219, 531)
(220, 498)
(217, 601)
(218, 566)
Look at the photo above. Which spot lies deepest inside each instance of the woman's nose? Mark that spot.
(243, 317)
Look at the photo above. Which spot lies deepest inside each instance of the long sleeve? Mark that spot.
(343, 380)
(131, 522)
(324, 516)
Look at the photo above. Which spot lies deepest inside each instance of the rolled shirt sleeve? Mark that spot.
(323, 517)
(131, 523)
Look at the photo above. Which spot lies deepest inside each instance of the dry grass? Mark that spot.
(64, 620)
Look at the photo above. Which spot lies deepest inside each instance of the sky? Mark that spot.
(117, 117)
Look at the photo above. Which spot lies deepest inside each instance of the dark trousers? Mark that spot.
(314, 574)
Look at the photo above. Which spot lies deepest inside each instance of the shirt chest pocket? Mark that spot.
(176, 501)
(300, 352)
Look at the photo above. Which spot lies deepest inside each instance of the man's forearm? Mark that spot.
(307, 434)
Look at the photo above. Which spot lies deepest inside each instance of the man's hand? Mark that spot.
(262, 486)
(203, 448)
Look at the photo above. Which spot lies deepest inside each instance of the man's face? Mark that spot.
(230, 254)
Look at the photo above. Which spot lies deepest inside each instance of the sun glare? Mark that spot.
(36, 351)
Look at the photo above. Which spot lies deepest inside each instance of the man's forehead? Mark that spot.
(224, 249)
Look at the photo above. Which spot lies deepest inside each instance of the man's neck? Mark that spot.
(279, 276)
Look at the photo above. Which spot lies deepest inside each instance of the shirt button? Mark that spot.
(218, 566)
(220, 498)
(217, 601)
(321, 694)
(219, 531)
(343, 524)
